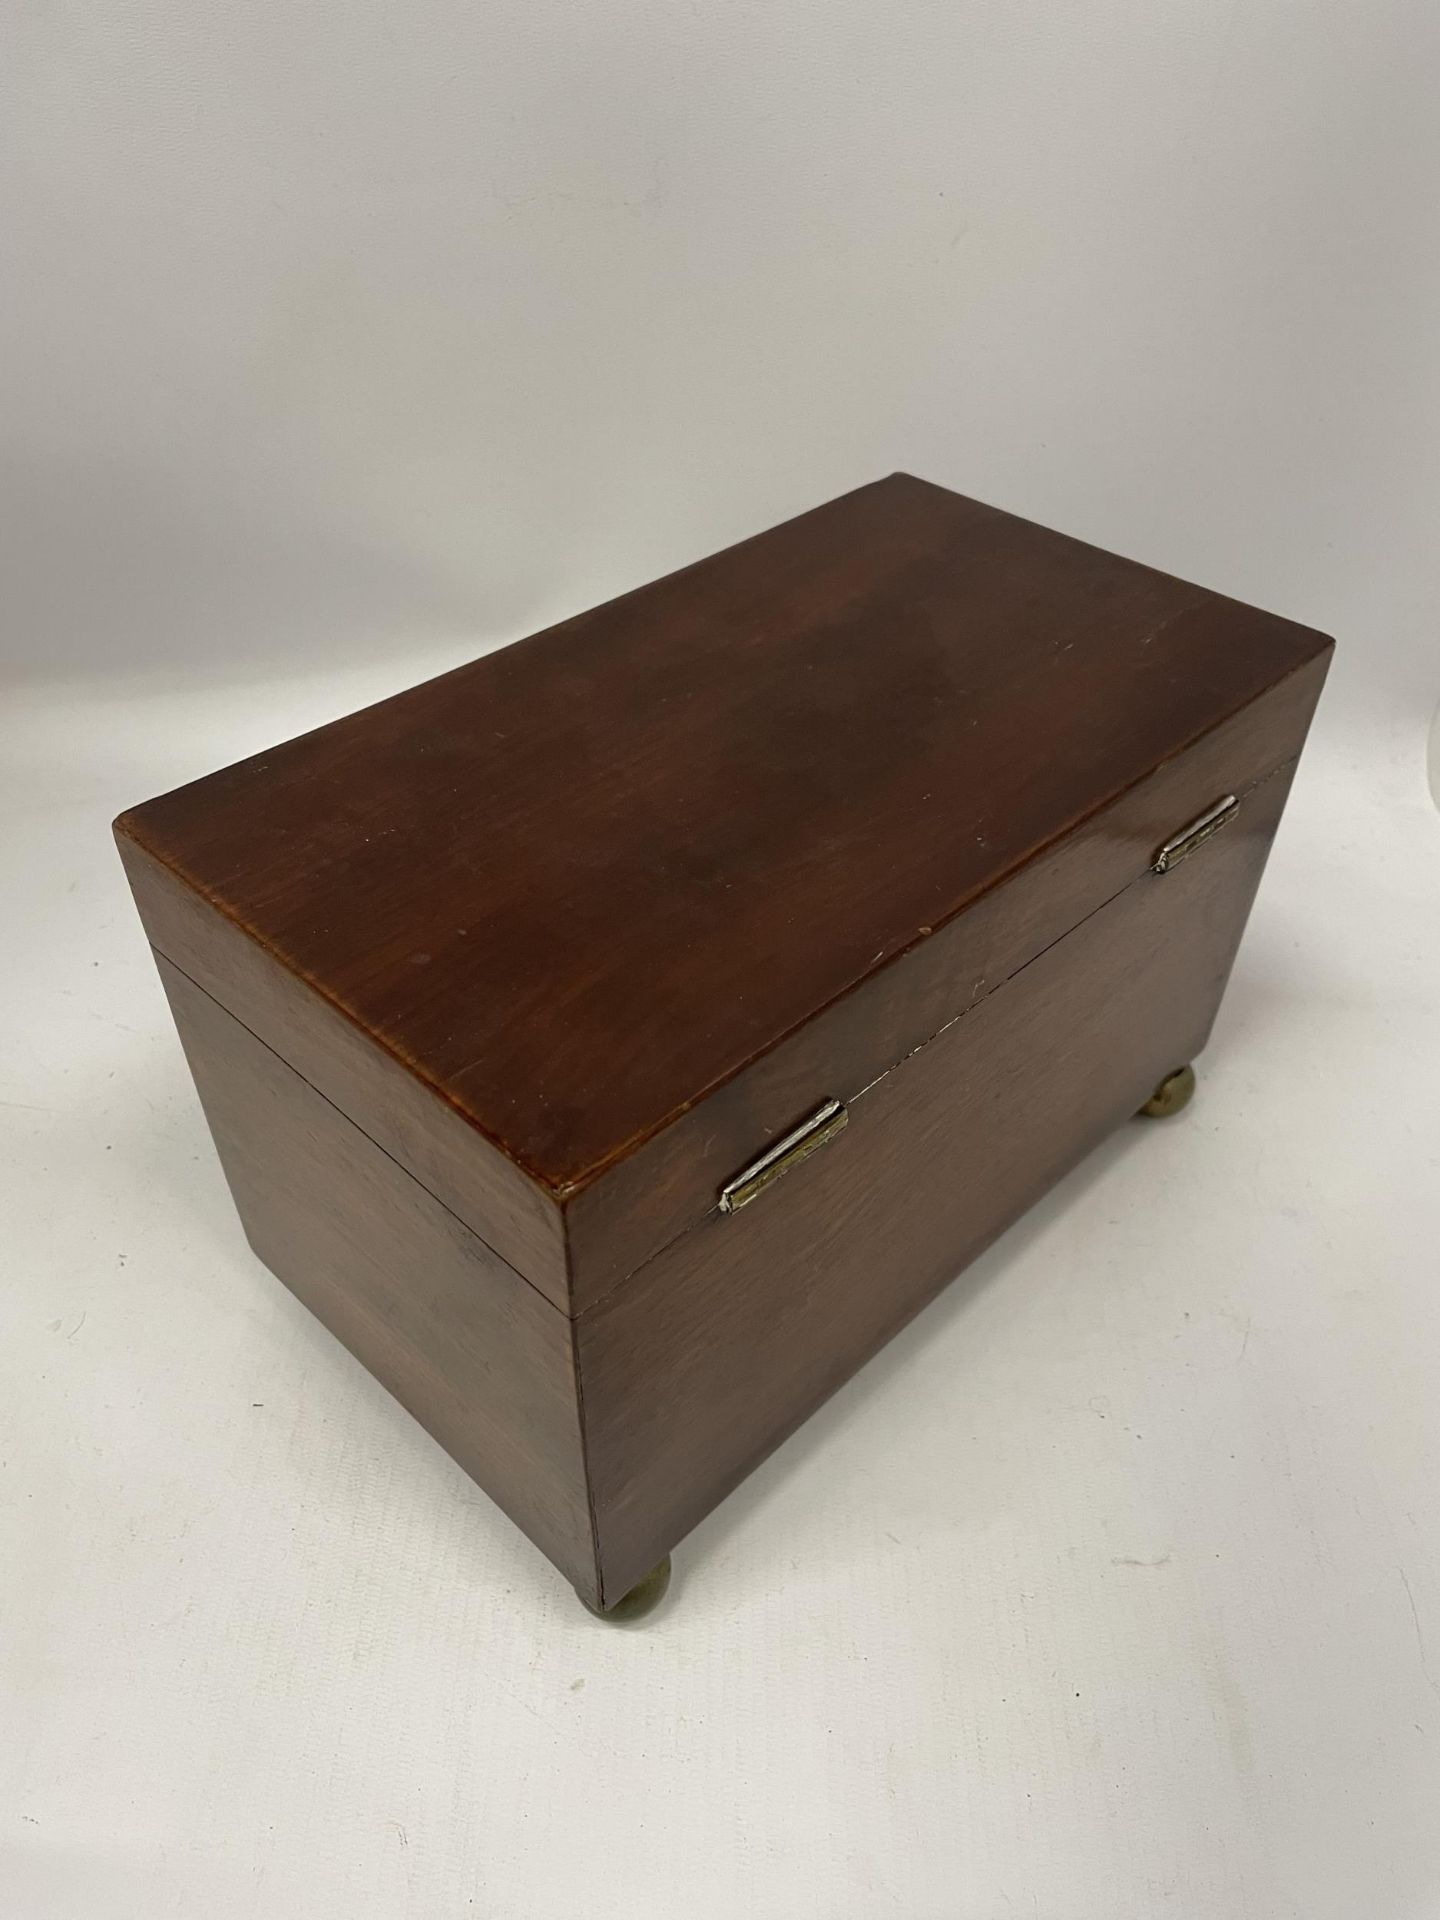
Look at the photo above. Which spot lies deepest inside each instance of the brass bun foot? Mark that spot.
(642, 1598)
(1174, 1092)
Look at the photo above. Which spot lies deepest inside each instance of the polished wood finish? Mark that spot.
(396, 1108)
(707, 1357)
(481, 1359)
(489, 989)
(656, 1192)
(581, 886)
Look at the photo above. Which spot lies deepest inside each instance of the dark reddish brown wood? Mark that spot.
(641, 1203)
(475, 1353)
(579, 886)
(397, 1109)
(708, 1356)
(489, 988)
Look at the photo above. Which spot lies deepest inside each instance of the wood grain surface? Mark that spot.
(709, 1355)
(642, 1202)
(487, 990)
(393, 1106)
(575, 888)
(469, 1347)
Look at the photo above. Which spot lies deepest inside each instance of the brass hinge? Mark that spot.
(1195, 835)
(795, 1146)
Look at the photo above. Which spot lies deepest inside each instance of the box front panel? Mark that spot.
(722, 1344)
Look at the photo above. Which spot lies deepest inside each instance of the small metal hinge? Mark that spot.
(795, 1146)
(1196, 834)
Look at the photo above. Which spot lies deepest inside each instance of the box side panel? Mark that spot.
(409, 1119)
(480, 1358)
(705, 1359)
(639, 1205)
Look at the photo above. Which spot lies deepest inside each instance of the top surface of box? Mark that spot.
(585, 880)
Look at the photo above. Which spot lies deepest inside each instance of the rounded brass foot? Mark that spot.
(642, 1598)
(1174, 1092)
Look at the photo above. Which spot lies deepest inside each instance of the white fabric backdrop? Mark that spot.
(342, 340)
(331, 328)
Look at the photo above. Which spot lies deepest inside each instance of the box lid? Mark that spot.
(583, 883)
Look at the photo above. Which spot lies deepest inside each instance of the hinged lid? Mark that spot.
(634, 896)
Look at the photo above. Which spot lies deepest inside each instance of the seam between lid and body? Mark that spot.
(568, 1190)
(560, 1196)
(351, 1121)
(976, 1002)
(563, 1192)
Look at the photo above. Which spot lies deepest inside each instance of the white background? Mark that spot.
(340, 341)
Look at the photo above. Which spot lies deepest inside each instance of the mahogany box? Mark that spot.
(616, 1040)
